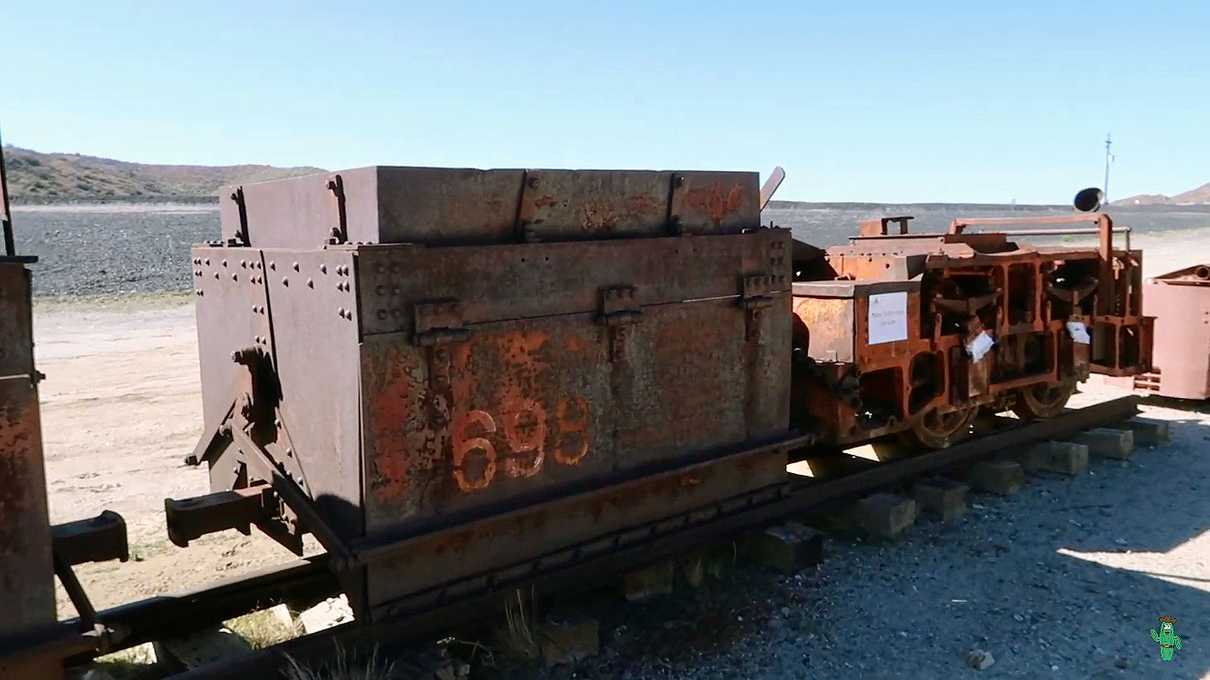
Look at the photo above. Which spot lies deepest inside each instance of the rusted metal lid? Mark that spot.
(461, 206)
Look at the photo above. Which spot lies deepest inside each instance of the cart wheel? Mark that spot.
(936, 430)
(1043, 401)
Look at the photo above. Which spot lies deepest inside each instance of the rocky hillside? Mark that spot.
(1198, 196)
(35, 177)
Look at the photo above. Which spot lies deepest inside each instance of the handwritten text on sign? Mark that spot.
(888, 317)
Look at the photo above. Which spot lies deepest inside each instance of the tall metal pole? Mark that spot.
(1108, 142)
(6, 219)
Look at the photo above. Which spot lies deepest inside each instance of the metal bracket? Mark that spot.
(526, 208)
(241, 234)
(97, 539)
(340, 232)
(438, 322)
(293, 496)
(756, 296)
(619, 310)
(673, 221)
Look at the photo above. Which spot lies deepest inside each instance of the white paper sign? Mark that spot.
(980, 345)
(888, 317)
(1079, 332)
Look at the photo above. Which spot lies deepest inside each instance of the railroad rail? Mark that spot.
(566, 571)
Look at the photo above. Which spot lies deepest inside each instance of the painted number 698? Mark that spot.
(525, 430)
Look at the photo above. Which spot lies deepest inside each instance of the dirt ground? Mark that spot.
(1063, 580)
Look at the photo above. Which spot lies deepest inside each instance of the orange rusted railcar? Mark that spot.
(914, 334)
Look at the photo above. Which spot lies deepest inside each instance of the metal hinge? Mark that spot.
(340, 232)
(241, 234)
(619, 310)
(439, 322)
(756, 296)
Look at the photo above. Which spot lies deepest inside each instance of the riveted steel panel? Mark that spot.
(315, 339)
(232, 313)
(511, 539)
(26, 571)
(527, 408)
(529, 280)
(16, 335)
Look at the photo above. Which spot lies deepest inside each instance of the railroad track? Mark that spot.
(576, 568)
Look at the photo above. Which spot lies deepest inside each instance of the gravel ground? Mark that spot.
(122, 249)
(1063, 580)
(112, 251)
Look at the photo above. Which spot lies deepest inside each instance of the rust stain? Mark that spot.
(18, 437)
(545, 201)
(407, 423)
(715, 200)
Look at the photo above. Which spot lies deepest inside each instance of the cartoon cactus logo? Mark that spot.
(1167, 638)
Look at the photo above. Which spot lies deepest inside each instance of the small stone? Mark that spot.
(327, 614)
(979, 659)
(1122, 663)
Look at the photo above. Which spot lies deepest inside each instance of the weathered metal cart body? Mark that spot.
(434, 370)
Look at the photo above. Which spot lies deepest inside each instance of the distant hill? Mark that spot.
(35, 177)
(1198, 196)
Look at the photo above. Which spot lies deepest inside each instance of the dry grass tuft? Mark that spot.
(262, 629)
(343, 667)
(519, 637)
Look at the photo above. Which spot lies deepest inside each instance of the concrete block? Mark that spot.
(1003, 477)
(1107, 442)
(327, 614)
(1066, 458)
(569, 641)
(788, 548)
(886, 515)
(648, 582)
(1147, 431)
(201, 648)
(943, 498)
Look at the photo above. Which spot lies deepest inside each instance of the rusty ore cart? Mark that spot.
(443, 373)
(914, 333)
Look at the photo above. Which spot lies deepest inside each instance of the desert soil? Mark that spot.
(1063, 580)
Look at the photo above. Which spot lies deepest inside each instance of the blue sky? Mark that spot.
(874, 101)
